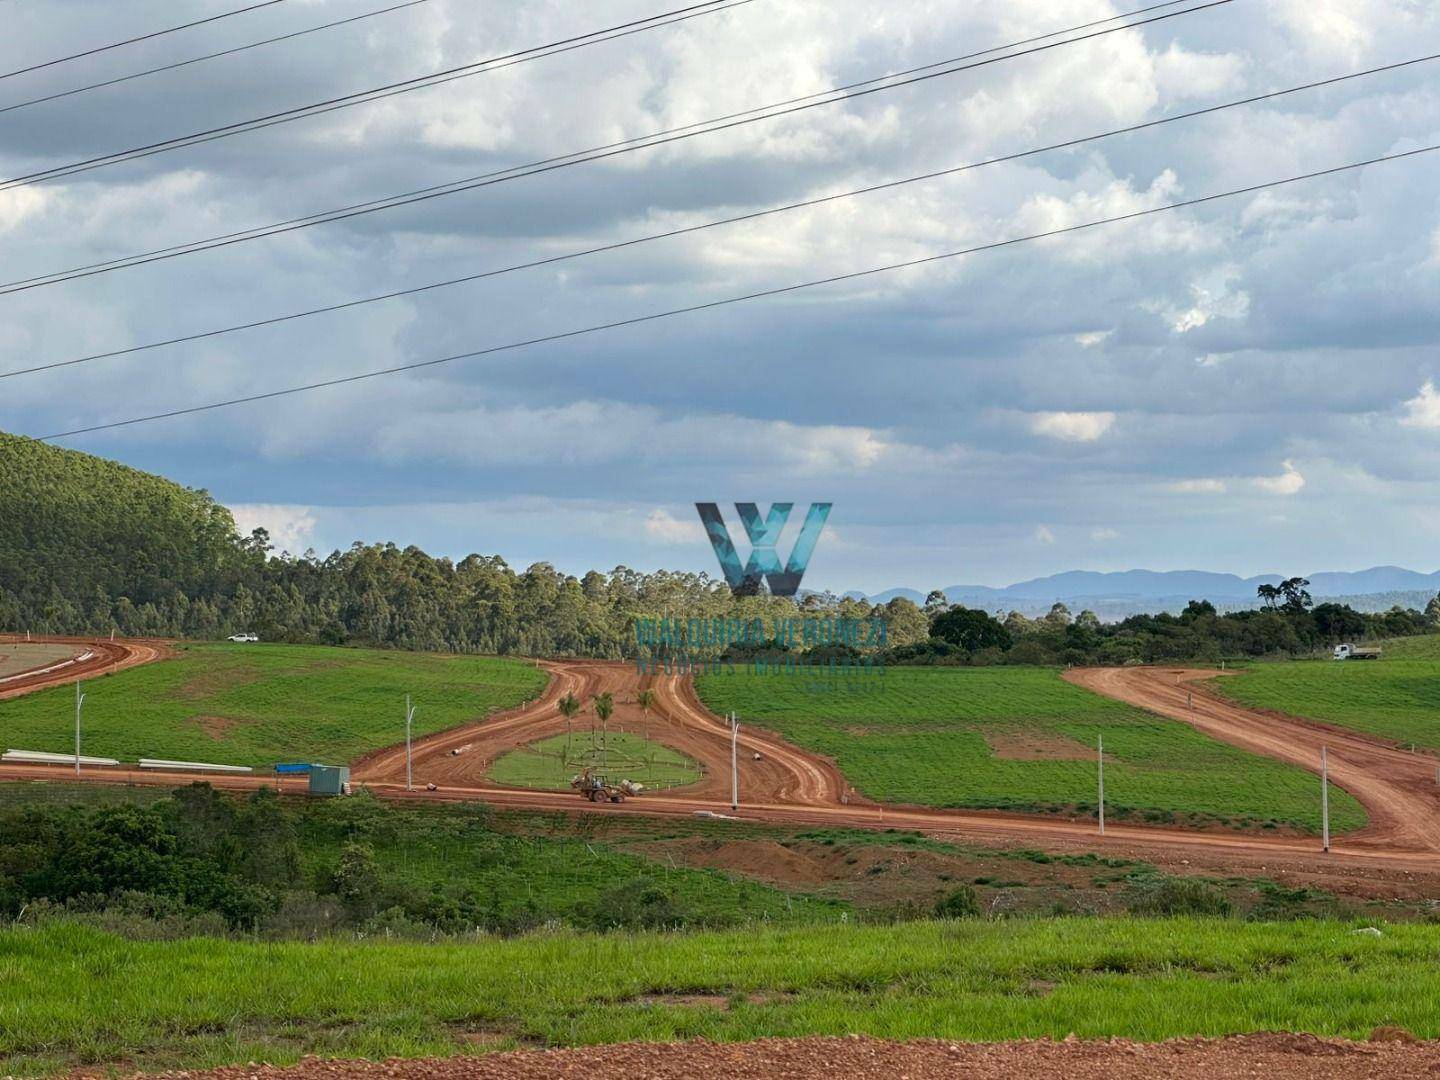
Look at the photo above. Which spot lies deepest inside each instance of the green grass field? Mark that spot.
(1396, 697)
(1021, 738)
(544, 765)
(73, 996)
(259, 704)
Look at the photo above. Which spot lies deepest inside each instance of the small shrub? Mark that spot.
(1178, 896)
(959, 903)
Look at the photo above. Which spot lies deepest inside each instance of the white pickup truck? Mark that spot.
(1357, 652)
(241, 639)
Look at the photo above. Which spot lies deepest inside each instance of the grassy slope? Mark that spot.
(73, 995)
(543, 764)
(922, 740)
(268, 703)
(555, 875)
(1396, 697)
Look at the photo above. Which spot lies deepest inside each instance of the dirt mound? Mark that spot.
(764, 859)
(1277, 1056)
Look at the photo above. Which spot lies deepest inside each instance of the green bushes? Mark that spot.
(959, 903)
(1178, 896)
(203, 862)
(196, 853)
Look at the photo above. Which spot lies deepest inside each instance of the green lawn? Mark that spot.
(259, 704)
(70, 995)
(545, 765)
(1395, 697)
(1021, 738)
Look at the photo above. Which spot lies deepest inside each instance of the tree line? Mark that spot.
(88, 546)
(1288, 623)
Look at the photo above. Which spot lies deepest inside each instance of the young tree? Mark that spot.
(604, 706)
(645, 699)
(569, 706)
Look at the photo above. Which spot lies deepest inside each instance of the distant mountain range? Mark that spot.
(1128, 592)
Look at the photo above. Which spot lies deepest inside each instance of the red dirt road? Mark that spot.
(1275, 1056)
(1397, 788)
(794, 787)
(1398, 854)
(93, 657)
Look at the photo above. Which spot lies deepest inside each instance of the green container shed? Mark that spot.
(329, 780)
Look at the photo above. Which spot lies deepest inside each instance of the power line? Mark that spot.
(743, 298)
(361, 97)
(208, 56)
(139, 38)
(614, 149)
(739, 218)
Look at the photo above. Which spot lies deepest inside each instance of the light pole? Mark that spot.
(79, 702)
(409, 716)
(1325, 798)
(1101, 762)
(734, 761)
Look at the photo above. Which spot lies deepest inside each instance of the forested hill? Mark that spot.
(87, 546)
(77, 533)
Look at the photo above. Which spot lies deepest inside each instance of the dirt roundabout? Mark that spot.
(1397, 855)
(1278, 1056)
(462, 758)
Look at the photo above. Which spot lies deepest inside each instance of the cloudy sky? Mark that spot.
(1252, 385)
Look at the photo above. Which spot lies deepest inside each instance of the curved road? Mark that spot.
(1397, 788)
(92, 657)
(787, 785)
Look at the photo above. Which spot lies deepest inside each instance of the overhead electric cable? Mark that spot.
(739, 218)
(362, 97)
(710, 305)
(208, 56)
(139, 38)
(642, 142)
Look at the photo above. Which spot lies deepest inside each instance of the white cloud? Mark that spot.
(1332, 28)
(1288, 482)
(291, 528)
(1103, 535)
(1092, 338)
(1423, 410)
(17, 204)
(1044, 534)
(1199, 486)
(1182, 74)
(665, 527)
(1072, 426)
(1213, 299)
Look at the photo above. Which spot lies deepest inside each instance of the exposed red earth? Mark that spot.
(1396, 855)
(1397, 787)
(91, 658)
(1274, 1056)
